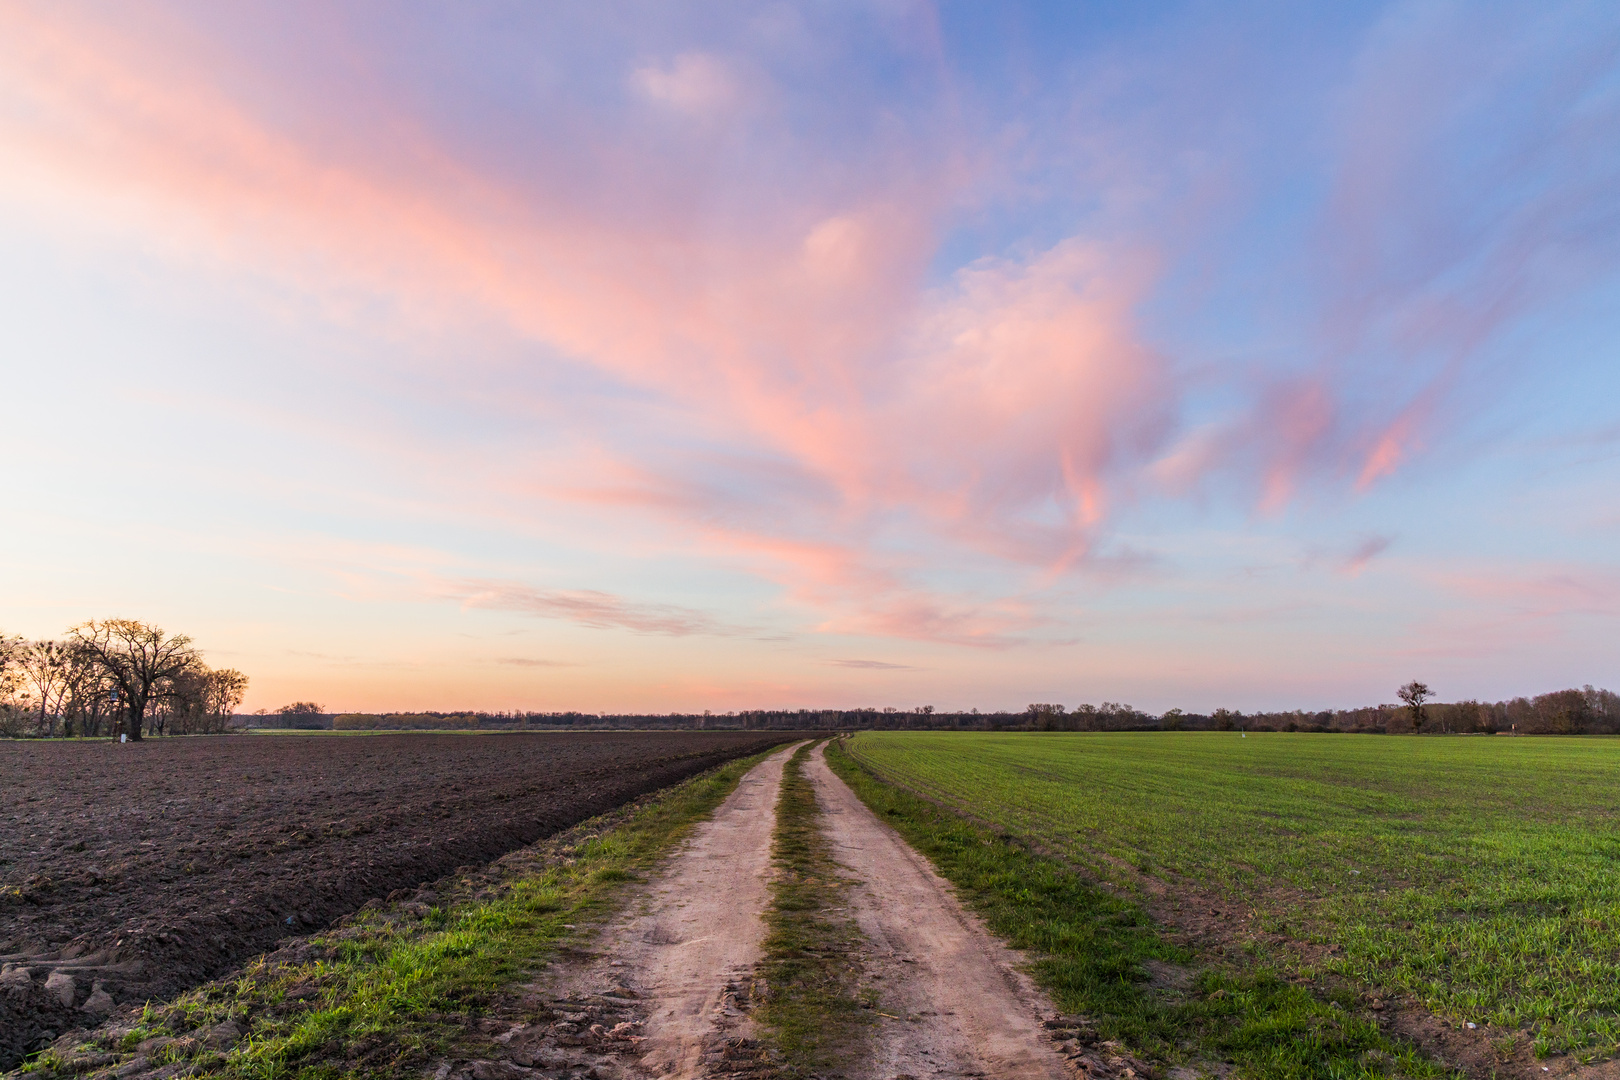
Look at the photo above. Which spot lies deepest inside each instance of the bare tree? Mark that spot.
(226, 689)
(9, 672)
(87, 698)
(11, 718)
(138, 659)
(200, 701)
(1414, 694)
(183, 706)
(45, 665)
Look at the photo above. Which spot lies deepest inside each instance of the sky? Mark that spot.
(655, 357)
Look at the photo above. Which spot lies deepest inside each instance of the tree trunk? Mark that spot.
(137, 714)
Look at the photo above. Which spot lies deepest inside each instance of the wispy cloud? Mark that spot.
(872, 665)
(692, 82)
(1365, 552)
(1539, 592)
(586, 607)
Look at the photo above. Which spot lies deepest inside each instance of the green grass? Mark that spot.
(1092, 949)
(1477, 876)
(811, 1008)
(396, 985)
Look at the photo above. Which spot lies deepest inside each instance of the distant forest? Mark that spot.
(1587, 711)
(121, 677)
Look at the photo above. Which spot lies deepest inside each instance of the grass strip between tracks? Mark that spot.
(392, 986)
(811, 1009)
(1091, 951)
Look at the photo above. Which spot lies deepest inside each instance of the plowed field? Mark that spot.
(142, 869)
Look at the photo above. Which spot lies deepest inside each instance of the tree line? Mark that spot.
(405, 722)
(113, 677)
(1586, 711)
(120, 676)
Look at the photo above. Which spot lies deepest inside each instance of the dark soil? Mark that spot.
(139, 870)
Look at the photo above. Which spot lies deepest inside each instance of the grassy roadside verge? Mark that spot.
(1099, 955)
(813, 1016)
(395, 984)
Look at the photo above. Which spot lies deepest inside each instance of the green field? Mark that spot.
(1476, 876)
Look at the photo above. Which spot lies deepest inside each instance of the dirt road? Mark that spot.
(963, 1008)
(658, 994)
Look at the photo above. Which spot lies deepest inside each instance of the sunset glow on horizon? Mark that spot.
(639, 357)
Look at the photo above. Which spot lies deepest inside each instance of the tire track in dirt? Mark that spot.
(669, 969)
(963, 1009)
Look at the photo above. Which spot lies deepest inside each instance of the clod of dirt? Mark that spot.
(61, 984)
(30, 1015)
(221, 1036)
(99, 1003)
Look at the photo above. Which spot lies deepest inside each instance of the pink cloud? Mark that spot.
(1293, 423)
(1539, 593)
(694, 83)
(1195, 455)
(1365, 552)
(921, 617)
(1512, 611)
(1031, 389)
